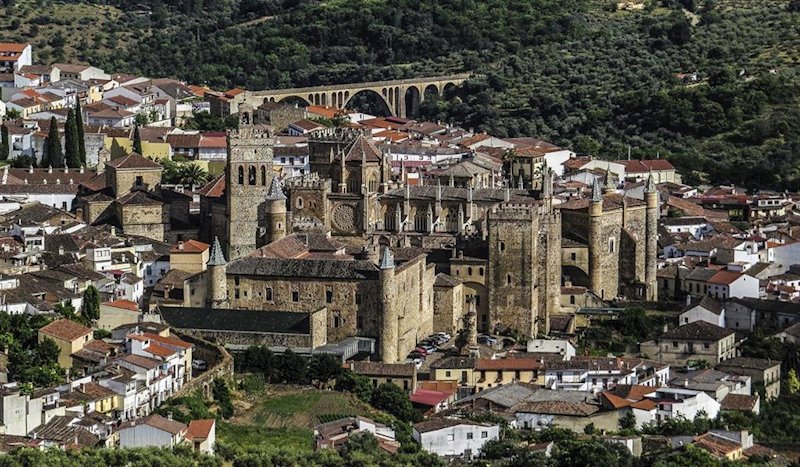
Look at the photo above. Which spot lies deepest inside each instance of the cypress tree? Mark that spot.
(137, 141)
(71, 147)
(4, 143)
(79, 125)
(54, 154)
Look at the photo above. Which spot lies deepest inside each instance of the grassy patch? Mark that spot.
(291, 404)
(260, 437)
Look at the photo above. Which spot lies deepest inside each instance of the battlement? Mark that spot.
(239, 137)
(337, 134)
(311, 181)
(513, 211)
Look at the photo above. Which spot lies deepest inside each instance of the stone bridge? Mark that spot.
(400, 97)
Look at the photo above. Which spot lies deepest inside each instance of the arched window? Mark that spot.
(251, 175)
(241, 175)
(469, 271)
(268, 294)
(263, 175)
(299, 203)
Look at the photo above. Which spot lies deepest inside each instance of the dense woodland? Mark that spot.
(578, 73)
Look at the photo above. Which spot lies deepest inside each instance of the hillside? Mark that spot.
(580, 73)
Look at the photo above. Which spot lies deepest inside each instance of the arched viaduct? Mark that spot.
(394, 93)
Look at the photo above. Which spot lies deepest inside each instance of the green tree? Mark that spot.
(293, 368)
(793, 382)
(81, 135)
(324, 368)
(222, 394)
(137, 140)
(192, 174)
(53, 153)
(5, 145)
(71, 146)
(392, 399)
(359, 385)
(91, 304)
(628, 421)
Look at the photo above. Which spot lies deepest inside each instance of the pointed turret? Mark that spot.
(275, 191)
(609, 187)
(216, 257)
(387, 259)
(597, 196)
(650, 187)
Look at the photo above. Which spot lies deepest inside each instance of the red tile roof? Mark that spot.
(643, 166)
(124, 304)
(429, 397)
(189, 246)
(725, 277)
(133, 161)
(200, 429)
(65, 329)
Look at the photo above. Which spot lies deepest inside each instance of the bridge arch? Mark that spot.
(371, 97)
(412, 99)
(291, 100)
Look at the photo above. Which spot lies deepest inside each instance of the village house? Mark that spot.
(69, 336)
(449, 437)
(694, 341)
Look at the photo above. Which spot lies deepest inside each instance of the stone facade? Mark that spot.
(448, 304)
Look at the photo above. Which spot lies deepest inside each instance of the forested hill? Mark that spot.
(581, 73)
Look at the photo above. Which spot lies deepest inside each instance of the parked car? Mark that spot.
(416, 355)
(422, 351)
(487, 339)
(417, 362)
(445, 335)
(199, 365)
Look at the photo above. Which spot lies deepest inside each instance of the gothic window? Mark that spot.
(328, 296)
(373, 185)
(263, 175)
(241, 175)
(251, 175)
(421, 221)
(268, 294)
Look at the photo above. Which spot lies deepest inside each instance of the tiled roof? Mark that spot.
(213, 189)
(743, 402)
(200, 429)
(65, 329)
(133, 161)
(644, 166)
(256, 321)
(725, 277)
(124, 304)
(307, 268)
(401, 370)
(581, 409)
(508, 364)
(141, 362)
(446, 280)
(749, 363)
(698, 330)
(457, 362)
(716, 445)
(189, 246)
(161, 423)
(435, 424)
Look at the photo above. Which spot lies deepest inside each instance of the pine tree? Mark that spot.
(91, 304)
(79, 125)
(137, 141)
(54, 154)
(793, 382)
(71, 147)
(4, 143)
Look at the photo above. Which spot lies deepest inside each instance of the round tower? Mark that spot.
(596, 243)
(217, 277)
(275, 213)
(651, 247)
(389, 315)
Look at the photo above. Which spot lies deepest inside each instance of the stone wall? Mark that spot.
(220, 364)
(151, 220)
(124, 180)
(448, 308)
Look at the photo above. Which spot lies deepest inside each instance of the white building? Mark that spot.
(695, 225)
(153, 431)
(449, 437)
(562, 347)
(730, 284)
(683, 403)
(708, 310)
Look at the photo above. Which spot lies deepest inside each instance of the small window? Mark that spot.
(451, 437)
(674, 343)
(508, 279)
(328, 296)
(447, 374)
(573, 256)
(358, 299)
(469, 271)
(337, 321)
(236, 280)
(572, 299)
(706, 345)
(469, 435)
(611, 245)
(480, 271)
(295, 296)
(268, 294)
(299, 203)
(501, 246)
(484, 434)
(139, 180)
(236, 293)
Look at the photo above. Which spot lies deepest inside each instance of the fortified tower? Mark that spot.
(596, 246)
(248, 179)
(651, 247)
(273, 214)
(389, 308)
(513, 272)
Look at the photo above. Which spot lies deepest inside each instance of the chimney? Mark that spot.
(113, 231)
(169, 415)
(180, 245)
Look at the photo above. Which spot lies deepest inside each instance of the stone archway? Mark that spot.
(368, 99)
(291, 100)
(412, 100)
